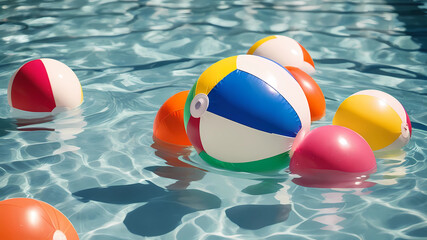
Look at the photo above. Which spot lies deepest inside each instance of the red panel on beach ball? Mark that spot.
(29, 219)
(31, 90)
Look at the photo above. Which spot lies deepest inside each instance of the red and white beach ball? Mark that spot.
(44, 85)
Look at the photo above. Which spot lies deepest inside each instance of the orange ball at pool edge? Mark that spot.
(24, 218)
(169, 122)
(315, 97)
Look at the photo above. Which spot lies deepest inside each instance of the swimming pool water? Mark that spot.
(99, 166)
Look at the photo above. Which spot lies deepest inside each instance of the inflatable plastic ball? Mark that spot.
(168, 125)
(378, 117)
(244, 112)
(44, 85)
(332, 148)
(24, 218)
(285, 51)
(315, 97)
(332, 155)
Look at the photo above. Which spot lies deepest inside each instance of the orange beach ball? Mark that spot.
(24, 218)
(169, 122)
(315, 97)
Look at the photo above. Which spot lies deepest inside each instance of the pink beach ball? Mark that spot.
(332, 148)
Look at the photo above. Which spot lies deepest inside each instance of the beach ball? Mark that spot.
(169, 122)
(331, 148)
(315, 97)
(44, 85)
(378, 117)
(244, 112)
(24, 218)
(285, 51)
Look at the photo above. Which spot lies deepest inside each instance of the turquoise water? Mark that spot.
(98, 164)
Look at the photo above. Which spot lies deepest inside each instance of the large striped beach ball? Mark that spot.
(244, 113)
(378, 117)
(44, 85)
(285, 51)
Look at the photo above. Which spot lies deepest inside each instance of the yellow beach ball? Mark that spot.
(378, 117)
